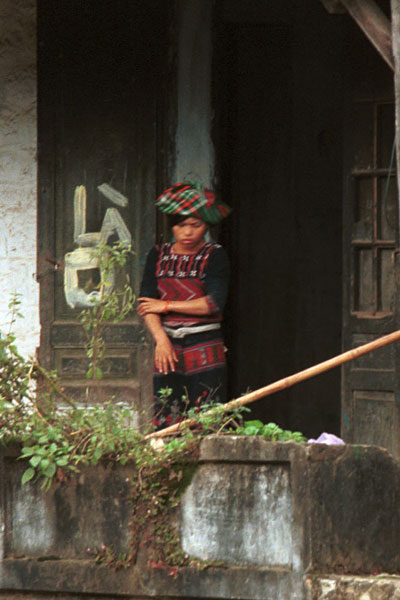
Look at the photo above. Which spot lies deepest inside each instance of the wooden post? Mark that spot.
(374, 24)
(371, 19)
(287, 382)
(396, 54)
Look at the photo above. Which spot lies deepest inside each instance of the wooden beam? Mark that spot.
(286, 382)
(375, 25)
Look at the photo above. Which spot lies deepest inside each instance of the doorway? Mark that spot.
(279, 107)
(102, 67)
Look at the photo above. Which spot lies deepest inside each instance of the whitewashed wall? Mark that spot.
(194, 147)
(18, 168)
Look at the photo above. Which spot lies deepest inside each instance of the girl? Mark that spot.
(182, 296)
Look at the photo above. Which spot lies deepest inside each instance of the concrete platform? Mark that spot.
(283, 520)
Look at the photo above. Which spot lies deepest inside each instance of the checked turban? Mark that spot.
(191, 199)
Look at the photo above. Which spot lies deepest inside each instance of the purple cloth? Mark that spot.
(327, 438)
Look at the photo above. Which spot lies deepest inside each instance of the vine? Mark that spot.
(162, 472)
(110, 307)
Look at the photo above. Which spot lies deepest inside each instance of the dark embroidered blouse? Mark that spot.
(170, 276)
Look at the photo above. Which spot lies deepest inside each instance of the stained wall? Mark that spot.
(285, 520)
(18, 168)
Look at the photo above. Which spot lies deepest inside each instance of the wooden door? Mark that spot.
(101, 70)
(370, 412)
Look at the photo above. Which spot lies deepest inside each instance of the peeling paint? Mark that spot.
(194, 147)
(83, 258)
(240, 514)
(33, 523)
(18, 169)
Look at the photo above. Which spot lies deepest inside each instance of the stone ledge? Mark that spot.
(233, 583)
(248, 449)
(351, 587)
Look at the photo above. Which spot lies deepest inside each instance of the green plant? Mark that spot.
(271, 431)
(15, 372)
(111, 306)
(63, 441)
(56, 434)
(212, 417)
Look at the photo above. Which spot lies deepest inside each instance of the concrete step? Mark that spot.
(353, 587)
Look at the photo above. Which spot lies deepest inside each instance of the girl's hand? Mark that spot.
(165, 356)
(151, 305)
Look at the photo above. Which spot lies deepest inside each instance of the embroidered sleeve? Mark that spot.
(148, 286)
(217, 280)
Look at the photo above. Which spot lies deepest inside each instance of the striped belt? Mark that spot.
(180, 332)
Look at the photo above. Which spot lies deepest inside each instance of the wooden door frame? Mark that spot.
(47, 261)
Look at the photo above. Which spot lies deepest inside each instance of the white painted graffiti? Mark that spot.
(83, 258)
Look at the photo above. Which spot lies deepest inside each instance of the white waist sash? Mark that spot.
(180, 332)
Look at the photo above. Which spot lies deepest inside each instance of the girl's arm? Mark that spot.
(216, 288)
(199, 306)
(164, 354)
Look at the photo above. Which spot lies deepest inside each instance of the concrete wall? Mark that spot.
(18, 167)
(285, 519)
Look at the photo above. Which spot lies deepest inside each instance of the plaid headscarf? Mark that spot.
(191, 199)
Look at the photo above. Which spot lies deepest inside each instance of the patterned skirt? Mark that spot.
(199, 378)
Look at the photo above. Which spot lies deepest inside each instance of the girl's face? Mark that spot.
(189, 235)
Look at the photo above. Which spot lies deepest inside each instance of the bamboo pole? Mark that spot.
(286, 382)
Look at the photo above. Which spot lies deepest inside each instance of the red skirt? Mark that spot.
(199, 378)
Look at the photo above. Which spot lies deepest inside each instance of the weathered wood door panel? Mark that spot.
(370, 412)
(101, 66)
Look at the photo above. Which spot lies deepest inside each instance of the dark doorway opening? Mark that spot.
(279, 107)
